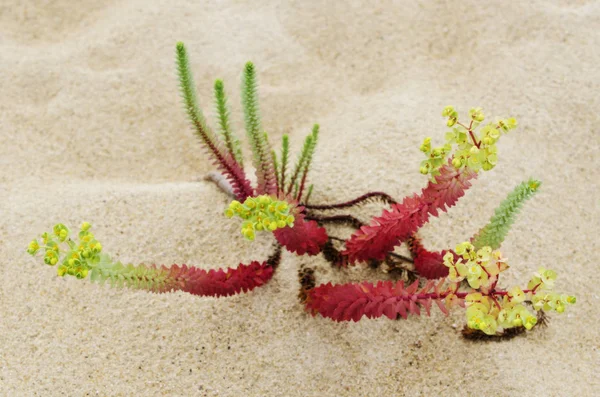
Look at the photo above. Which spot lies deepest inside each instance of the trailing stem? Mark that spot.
(386, 198)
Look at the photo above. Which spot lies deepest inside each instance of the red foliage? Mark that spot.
(226, 164)
(429, 264)
(396, 225)
(217, 282)
(306, 237)
(236, 176)
(345, 302)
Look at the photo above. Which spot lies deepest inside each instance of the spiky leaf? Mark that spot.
(396, 225)
(222, 158)
(495, 231)
(349, 302)
(233, 144)
(220, 282)
(304, 159)
(429, 264)
(261, 150)
(305, 237)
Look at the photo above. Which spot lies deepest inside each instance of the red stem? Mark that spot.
(463, 295)
(477, 144)
(235, 173)
(474, 140)
(302, 185)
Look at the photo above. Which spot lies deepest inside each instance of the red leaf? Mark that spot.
(402, 310)
(442, 307)
(304, 237)
(389, 308)
(217, 282)
(349, 302)
(429, 264)
(394, 226)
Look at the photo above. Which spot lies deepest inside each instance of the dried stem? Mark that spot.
(371, 195)
(337, 219)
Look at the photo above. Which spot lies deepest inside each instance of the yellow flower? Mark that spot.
(426, 145)
(448, 111)
(476, 276)
(516, 294)
(476, 114)
(33, 247)
(261, 213)
(464, 249)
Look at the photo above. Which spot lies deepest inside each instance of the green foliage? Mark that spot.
(311, 149)
(303, 163)
(308, 161)
(250, 103)
(82, 256)
(224, 155)
(188, 91)
(262, 160)
(495, 231)
(308, 194)
(231, 142)
(226, 148)
(285, 158)
(119, 275)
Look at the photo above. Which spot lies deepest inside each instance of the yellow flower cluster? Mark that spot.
(474, 149)
(261, 213)
(552, 301)
(77, 259)
(480, 268)
(490, 310)
(489, 315)
(540, 283)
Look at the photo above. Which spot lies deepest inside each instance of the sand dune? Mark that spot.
(92, 129)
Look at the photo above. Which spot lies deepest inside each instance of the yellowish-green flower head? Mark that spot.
(261, 213)
(480, 267)
(466, 146)
(33, 247)
(516, 295)
(490, 310)
(61, 232)
(76, 258)
(552, 301)
(542, 279)
(476, 114)
(493, 311)
(482, 313)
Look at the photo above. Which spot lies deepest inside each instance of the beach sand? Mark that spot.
(93, 129)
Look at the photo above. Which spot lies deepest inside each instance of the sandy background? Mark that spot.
(92, 128)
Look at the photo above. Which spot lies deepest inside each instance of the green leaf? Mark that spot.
(261, 150)
(495, 231)
(231, 142)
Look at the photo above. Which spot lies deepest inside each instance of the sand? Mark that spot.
(92, 129)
